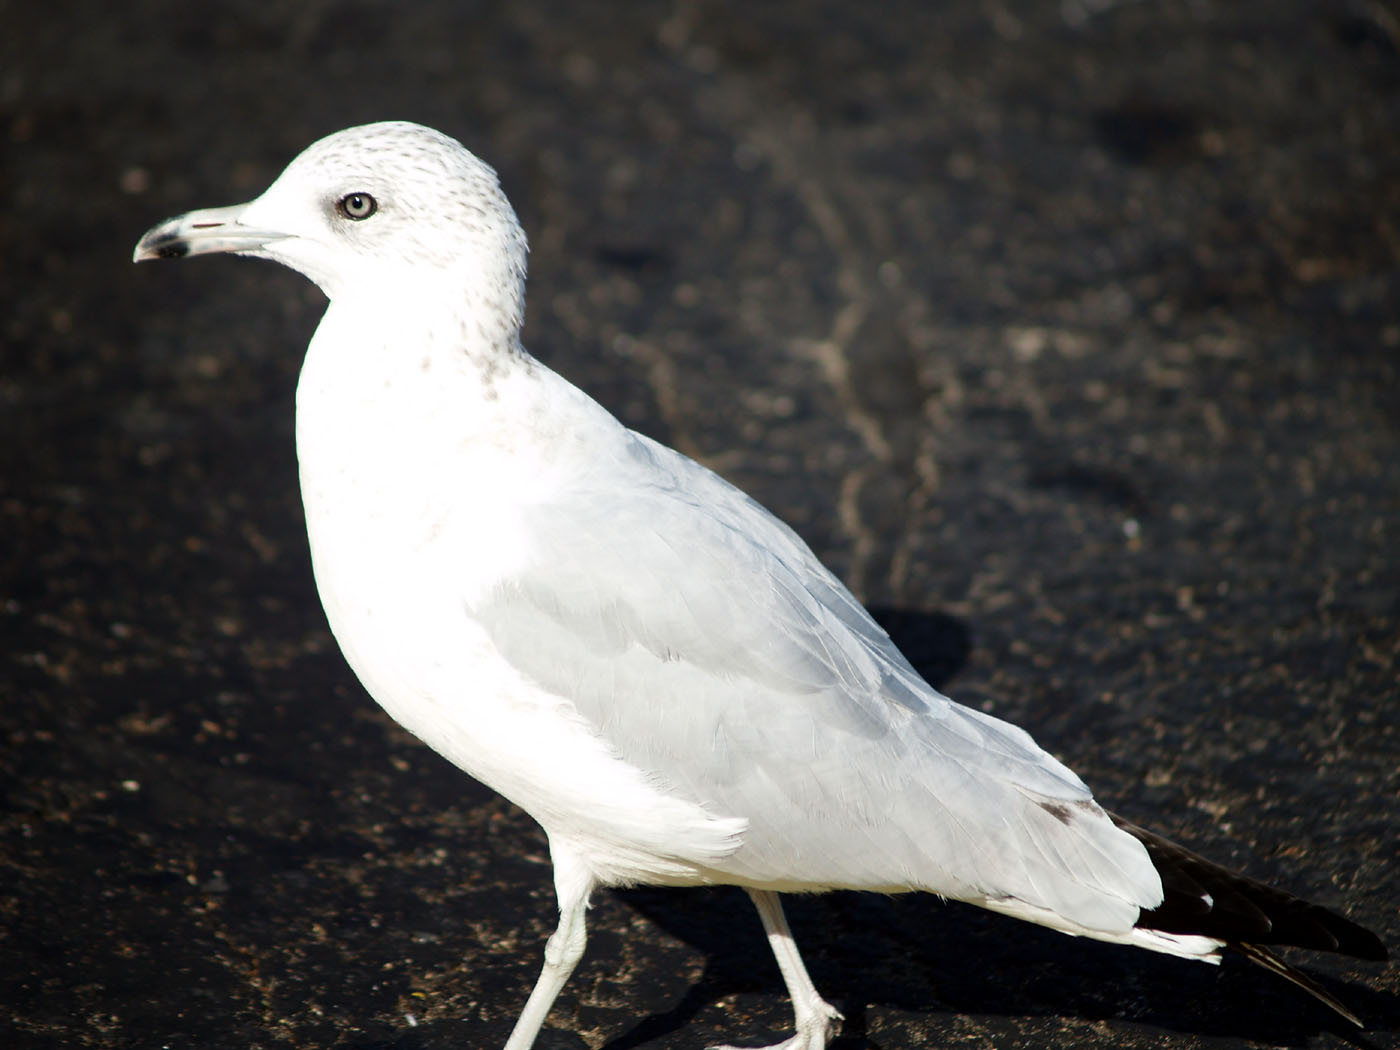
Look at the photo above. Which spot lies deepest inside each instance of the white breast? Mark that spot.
(414, 473)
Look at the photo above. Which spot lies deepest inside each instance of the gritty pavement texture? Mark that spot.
(1067, 332)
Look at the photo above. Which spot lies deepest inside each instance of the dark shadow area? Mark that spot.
(938, 645)
(917, 954)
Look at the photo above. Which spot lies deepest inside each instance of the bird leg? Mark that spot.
(562, 951)
(815, 1019)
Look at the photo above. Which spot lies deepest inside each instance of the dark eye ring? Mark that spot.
(356, 206)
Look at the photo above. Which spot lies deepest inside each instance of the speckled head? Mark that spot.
(392, 204)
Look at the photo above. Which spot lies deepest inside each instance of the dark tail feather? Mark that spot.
(1205, 898)
(1271, 962)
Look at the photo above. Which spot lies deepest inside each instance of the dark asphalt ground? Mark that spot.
(1067, 332)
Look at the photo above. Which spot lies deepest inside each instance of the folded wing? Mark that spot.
(710, 648)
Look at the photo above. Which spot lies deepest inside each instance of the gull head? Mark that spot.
(388, 208)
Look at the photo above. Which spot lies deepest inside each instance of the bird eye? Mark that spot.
(356, 206)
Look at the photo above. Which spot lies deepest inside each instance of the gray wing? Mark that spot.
(709, 647)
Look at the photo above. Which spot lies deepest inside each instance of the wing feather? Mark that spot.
(710, 648)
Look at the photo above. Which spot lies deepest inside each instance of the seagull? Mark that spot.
(639, 655)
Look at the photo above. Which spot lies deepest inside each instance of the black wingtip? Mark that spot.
(1260, 955)
(1205, 898)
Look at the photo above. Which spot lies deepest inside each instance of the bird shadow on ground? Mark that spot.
(906, 955)
(938, 645)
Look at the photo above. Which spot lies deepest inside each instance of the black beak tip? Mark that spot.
(165, 246)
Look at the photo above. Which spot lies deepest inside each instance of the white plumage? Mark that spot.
(646, 660)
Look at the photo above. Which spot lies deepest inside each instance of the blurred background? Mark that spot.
(1066, 332)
